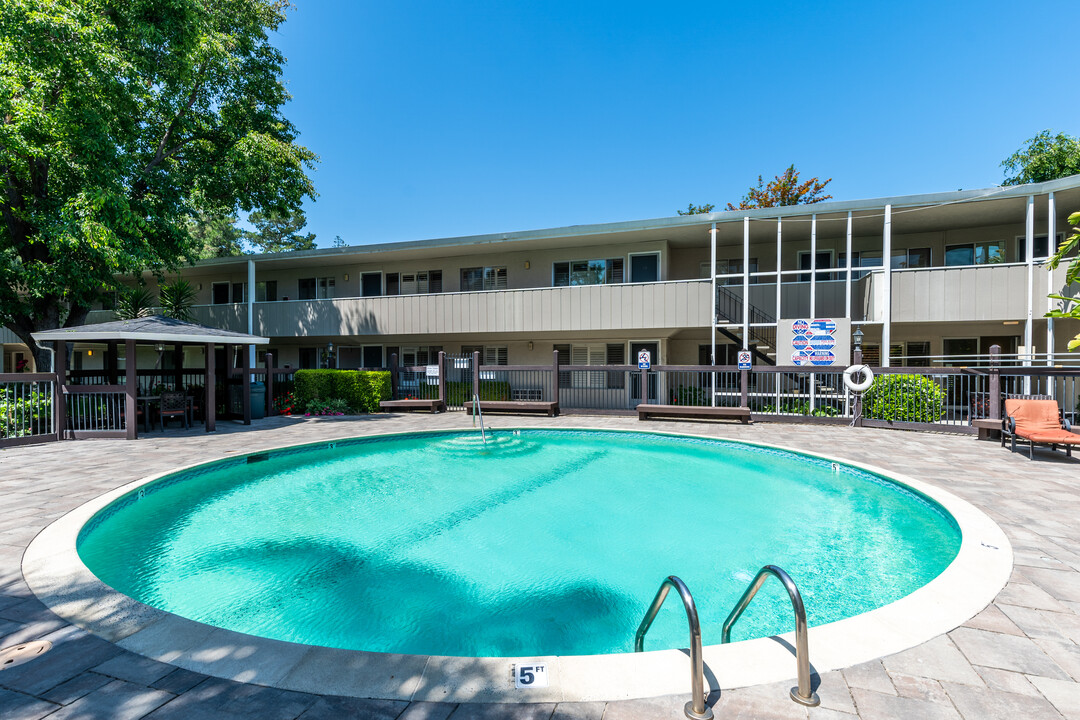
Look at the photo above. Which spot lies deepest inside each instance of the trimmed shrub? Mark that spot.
(461, 393)
(361, 390)
(904, 398)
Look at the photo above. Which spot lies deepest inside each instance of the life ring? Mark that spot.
(868, 378)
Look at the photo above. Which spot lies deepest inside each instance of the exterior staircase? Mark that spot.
(729, 309)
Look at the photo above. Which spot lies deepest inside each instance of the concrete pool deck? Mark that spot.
(1018, 658)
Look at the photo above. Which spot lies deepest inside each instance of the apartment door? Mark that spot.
(645, 267)
(370, 284)
(635, 381)
(373, 356)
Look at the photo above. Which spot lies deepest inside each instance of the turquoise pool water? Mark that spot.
(541, 543)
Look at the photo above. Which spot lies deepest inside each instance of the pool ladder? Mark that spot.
(696, 709)
(478, 414)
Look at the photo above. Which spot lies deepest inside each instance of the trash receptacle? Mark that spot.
(258, 400)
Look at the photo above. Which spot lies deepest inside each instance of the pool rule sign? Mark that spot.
(530, 675)
(817, 342)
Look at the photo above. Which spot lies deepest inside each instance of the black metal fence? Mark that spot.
(27, 408)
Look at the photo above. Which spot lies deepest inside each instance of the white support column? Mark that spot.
(1051, 228)
(779, 265)
(712, 332)
(886, 259)
(746, 284)
(813, 266)
(1029, 243)
(251, 308)
(847, 279)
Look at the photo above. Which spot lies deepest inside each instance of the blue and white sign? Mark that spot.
(644, 360)
(745, 360)
(817, 342)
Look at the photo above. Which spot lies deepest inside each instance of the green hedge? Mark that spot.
(360, 389)
(460, 393)
(904, 398)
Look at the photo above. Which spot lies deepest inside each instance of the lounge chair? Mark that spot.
(1038, 422)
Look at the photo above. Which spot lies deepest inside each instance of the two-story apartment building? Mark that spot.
(945, 274)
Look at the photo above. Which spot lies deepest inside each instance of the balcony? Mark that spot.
(959, 294)
(632, 306)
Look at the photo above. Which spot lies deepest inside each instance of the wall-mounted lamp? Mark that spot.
(89, 353)
(1011, 322)
(857, 337)
(530, 345)
(526, 264)
(346, 277)
(160, 347)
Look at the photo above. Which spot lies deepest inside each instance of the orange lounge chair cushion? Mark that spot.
(1038, 420)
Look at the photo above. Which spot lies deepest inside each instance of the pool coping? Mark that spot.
(57, 576)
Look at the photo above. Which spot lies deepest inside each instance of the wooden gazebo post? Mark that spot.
(60, 368)
(246, 379)
(131, 390)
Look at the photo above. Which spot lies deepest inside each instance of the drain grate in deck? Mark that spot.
(18, 654)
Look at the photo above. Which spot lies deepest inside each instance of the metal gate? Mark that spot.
(459, 381)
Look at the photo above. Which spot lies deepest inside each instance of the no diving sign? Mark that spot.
(745, 360)
(644, 360)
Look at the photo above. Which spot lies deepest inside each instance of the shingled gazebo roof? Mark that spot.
(156, 328)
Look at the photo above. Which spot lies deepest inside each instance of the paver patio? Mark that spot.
(1018, 658)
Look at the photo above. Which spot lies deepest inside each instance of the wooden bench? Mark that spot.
(988, 429)
(693, 411)
(432, 405)
(516, 407)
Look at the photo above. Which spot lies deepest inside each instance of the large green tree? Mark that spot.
(121, 121)
(216, 235)
(279, 232)
(1044, 157)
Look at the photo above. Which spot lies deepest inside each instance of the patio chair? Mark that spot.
(1039, 422)
(173, 404)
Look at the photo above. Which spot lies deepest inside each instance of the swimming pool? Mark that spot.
(541, 542)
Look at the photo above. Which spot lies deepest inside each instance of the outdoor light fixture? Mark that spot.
(89, 353)
(160, 347)
(857, 337)
(530, 345)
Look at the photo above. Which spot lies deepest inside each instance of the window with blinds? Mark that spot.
(588, 272)
(414, 283)
(476, 279)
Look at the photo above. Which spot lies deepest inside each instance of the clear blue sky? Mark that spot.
(437, 119)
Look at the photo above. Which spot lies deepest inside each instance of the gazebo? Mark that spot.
(158, 331)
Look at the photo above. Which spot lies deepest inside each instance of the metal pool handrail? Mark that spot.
(696, 709)
(802, 694)
(478, 413)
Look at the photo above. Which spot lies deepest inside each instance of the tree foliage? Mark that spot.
(279, 232)
(693, 209)
(1070, 306)
(1043, 157)
(177, 299)
(216, 236)
(120, 122)
(784, 189)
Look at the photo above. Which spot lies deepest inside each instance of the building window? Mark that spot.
(1042, 247)
(266, 291)
(413, 356)
(918, 354)
(911, 258)
(644, 267)
(414, 283)
(595, 354)
(734, 266)
(316, 288)
(489, 354)
(861, 259)
(239, 292)
(476, 279)
(983, 253)
(587, 272)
